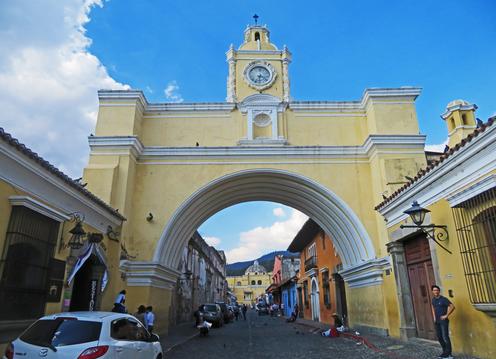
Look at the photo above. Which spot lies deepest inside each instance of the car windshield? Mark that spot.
(210, 308)
(61, 332)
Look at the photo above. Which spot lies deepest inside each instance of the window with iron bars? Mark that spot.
(475, 221)
(25, 264)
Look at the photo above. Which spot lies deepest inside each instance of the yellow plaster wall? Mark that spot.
(218, 129)
(159, 298)
(326, 130)
(396, 118)
(366, 307)
(472, 331)
(118, 119)
(6, 190)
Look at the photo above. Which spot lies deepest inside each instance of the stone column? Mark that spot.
(408, 327)
(231, 81)
(285, 79)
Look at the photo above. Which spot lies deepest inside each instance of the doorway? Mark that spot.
(87, 284)
(315, 301)
(341, 308)
(421, 277)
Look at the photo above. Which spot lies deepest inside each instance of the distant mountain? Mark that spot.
(267, 260)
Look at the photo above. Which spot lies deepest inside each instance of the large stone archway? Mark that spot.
(318, 202)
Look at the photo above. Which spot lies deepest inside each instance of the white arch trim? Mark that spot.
(360, 265)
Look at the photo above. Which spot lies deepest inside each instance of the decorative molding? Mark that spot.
(193, 106)
(351, 239)
(366, 274)
(487, 308)
(27, 175)
(261, 101)
(458, 107)
(119, 143)
(474, 161)
(263, 142)
(463, 127)
(376, 95)
(472, 191)
(39, 207)
(149, 274)
(372, 145)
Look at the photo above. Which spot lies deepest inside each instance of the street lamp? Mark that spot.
(438, 233)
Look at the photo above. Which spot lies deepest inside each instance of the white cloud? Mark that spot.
(278, 212)
(49, 80)
(212, 241)
(436, 148)
(171, 92)
(261, 240)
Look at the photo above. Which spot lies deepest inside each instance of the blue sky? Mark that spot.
(339, 48)
(54, 58)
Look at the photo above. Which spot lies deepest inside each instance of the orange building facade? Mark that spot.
(321, 291)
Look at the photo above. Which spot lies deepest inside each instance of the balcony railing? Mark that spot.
(310, 263)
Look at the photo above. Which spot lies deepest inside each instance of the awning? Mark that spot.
(95, 249)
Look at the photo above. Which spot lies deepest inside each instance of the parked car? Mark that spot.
(226, 313)
(213, 313)
(85, 335)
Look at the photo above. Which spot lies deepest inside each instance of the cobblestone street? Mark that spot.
(266, 337)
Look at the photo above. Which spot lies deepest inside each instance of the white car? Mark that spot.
(86, 335)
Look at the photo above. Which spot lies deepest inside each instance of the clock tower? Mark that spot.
(257, 67)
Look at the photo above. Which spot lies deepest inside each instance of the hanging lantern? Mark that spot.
(77, 237)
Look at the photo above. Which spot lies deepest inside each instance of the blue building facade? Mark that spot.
(288, 296)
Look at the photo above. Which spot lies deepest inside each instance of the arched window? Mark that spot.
(257, 36)
(239, 283)
(452, 121)
(252, 282)
(259, 282)
(464, 120)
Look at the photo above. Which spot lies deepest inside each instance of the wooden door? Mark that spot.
(421, 276)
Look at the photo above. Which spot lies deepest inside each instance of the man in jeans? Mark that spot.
(441, 310)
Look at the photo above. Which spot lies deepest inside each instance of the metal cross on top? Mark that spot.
(256, 18)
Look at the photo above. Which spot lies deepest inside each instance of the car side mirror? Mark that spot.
(154, 338)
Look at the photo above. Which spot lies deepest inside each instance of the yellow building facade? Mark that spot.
(39, 209)
(459, 255)
(248, 287)
(183, 162)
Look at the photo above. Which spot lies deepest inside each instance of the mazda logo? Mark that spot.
(43, 352)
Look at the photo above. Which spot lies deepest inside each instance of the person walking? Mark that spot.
(140, 314)
(150, 318)
(441, 310)
(198, 315)
(243, 310)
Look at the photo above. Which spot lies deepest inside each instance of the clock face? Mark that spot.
(259, 75)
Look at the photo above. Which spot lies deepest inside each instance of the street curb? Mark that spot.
(180, 343)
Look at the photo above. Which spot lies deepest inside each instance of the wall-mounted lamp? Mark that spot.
(149, 218)
(438, 233)
(111, 234)
(79, 235)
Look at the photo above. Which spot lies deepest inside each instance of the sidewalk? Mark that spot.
(178, 335)
(394, 348)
